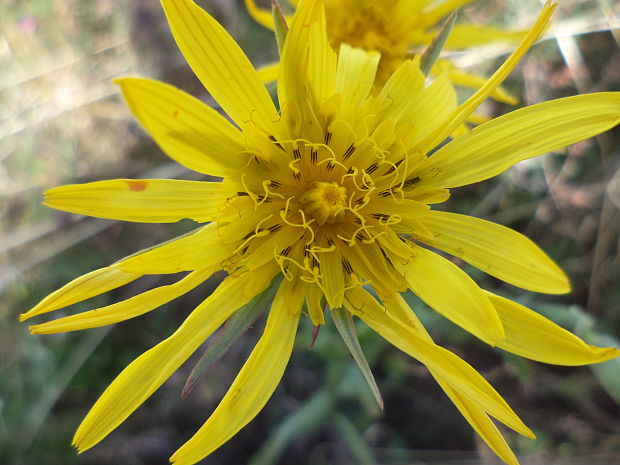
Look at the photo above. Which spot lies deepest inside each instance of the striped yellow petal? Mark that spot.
(480, 422)
(141, 200)
(220, 64)
(255, 382)
(402, 91)
(497, 250)
(398, 308)
(456, 372)
(149, 371)
(356, 73)
(321, 63)
(493, 147)
(461, 114)
(333, 277)
(201, 248)
(292, 83)
(121, 311)
(432, 109)
(89, 285)
(448, 290)
(190, 132)
(314, 296)
(533, 336)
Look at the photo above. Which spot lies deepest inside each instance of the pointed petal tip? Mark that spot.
(604, 354)
(34, 329)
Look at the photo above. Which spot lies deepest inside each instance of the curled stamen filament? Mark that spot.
(257, 233)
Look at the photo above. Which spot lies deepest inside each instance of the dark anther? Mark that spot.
(242, 194)
(372, 168)
(392, 168)
(296, 154)
(411, 182)
(314, 155)
(286, 251)
(349, 152)
(275, 228)
(273, 139)
(328, 137)
(347, 266)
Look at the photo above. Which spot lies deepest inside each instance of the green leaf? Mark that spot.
(234, 327)
(430, 55)
(606, 372)
(357, 445)
(346, 328)
(308, 418)
(280, 26)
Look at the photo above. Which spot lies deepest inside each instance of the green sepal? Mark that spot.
(234, 327)
(430, 55)
(345, 326)
(280, 26)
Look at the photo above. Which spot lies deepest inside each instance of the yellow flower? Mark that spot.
(398, 29)
(329, 195)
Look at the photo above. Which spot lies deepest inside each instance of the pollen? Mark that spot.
(325, 202)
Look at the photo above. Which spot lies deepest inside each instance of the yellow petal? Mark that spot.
(121, 311)
(293, 79)
(190, 132)
(333, 277)
(448, 290)
(480, 422)
(461, 114)
(201, 248)
(356, 73)
(149, 371)
(321, 64)
(432, 109)
(493, 147)
(255, 382)
(457, 373)
(533, 336)
(402, 91)
(398, 308)
(406, 209)
(269, 73)
(142, 200)
(260, 15)
(220, 64)
(89, 285)
(496, 250)
(314, 295)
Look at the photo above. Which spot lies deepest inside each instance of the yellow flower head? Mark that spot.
(328, 197)
(398, 29)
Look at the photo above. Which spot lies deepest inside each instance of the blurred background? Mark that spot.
(62, 121)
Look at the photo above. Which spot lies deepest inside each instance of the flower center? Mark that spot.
(325, 202)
